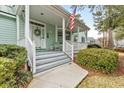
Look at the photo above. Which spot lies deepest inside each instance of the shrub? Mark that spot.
(93, 46)
(7, 70)
(98, 59)
(14, 52)
(13, 58)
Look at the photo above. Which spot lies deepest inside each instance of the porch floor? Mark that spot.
(65, 76)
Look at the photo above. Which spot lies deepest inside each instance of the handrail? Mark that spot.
(30, 41)
(31, 53)
(69, 49)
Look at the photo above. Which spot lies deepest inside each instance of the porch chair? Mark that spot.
(57, 46)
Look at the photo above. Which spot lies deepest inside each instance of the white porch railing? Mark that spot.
(31, 53)
(69, 49)
(78, 45)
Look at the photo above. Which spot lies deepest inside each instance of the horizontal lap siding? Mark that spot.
(8, 33)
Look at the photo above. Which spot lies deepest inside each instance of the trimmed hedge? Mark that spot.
(12, 61)
(93, 46)
(14, 52)
(103, 60)
(7, 76)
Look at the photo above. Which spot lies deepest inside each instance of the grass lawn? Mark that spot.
(103, 82)
(100, 80)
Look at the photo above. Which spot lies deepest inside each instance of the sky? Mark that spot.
(88, 20)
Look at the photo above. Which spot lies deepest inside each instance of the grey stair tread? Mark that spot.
(51, 65)
(49, 55)
(48, 52)
(49, 60)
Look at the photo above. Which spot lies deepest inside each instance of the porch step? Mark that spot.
(49, 60)
(45, 67)
(48, 55)
(45, 53)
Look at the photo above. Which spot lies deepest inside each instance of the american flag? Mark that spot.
(72, 18)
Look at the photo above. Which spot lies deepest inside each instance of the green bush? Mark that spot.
(12, 60)
(14, 52)
(93, 46)
(7, 70)
(98, 59)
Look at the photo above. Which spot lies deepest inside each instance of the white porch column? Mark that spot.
(63, 32)
(56, 33)
(27, 21)
(71, 36)
(17, 21)
(78, 36)
(78, 33)
(86, 33)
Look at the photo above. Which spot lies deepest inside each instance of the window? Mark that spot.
(83, 40)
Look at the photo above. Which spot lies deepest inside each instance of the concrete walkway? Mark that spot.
(65, 76)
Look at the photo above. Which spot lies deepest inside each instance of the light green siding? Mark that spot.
(7, 9)
(50, 39)
(8, 33)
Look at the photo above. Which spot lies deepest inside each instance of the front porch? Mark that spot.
(54, 36)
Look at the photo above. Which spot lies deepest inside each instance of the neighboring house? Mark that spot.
(80, 37)
(90, 40)
(41, 30)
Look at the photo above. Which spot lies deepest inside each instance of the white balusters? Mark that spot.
(69, 49)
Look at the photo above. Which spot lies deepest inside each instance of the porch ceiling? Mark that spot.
(47, 17)
(51, 15)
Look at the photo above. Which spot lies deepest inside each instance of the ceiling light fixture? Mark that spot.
(42, 13)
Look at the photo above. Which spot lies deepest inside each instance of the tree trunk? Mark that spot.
(103, 40)
(110, 39)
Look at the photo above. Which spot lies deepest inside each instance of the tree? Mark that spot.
(119, 33)
(106, 19)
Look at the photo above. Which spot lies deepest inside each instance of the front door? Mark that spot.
(38, 36)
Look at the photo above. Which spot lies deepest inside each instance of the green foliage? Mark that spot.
(119, 33)
(24, 78)
(7, 70)
(12, 59)
(105, 16)
(93, 46)
(14, 52)
(103, 60)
